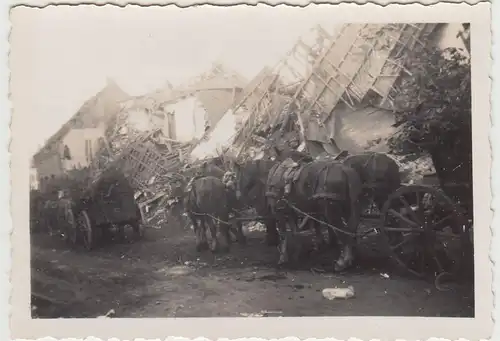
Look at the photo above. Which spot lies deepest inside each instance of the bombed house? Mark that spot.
(77, 142)
(342, 96)
(331, 92)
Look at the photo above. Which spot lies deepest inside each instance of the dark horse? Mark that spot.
(379, 175)
(209, 203)
(251, 187)
(251, 179)
(324, 189)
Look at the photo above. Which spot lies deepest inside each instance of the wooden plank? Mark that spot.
(259, 139)
(375, 86)
(301, 88)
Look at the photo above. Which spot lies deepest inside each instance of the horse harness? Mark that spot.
(287, 171)
(229, 184)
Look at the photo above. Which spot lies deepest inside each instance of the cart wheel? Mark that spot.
(85, 227)
(71, 233)
(424, 230)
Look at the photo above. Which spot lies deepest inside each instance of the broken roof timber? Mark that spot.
(342, 68)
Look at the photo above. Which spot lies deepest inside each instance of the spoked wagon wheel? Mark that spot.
(424, 230)
(85, 228)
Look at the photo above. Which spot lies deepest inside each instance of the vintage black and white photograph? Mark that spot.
(247, 162)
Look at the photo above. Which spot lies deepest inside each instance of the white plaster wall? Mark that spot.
(190, 119)
(138, 119)
(221, 137)
(33, 178)
(34, 183)
(364, 129)
(75, 140)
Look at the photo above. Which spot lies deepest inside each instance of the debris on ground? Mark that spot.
(110, 313)
(263, 313)
(334, 293)
(255, 226)
(179, 270)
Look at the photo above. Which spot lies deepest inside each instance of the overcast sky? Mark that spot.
(62, 55)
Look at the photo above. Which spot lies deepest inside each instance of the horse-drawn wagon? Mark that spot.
(93, 207)
(425, 227)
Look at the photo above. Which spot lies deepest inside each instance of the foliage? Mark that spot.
(435, 103)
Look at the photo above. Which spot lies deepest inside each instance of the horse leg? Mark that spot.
(333, 215)
(333, 240)
(237, 230)
(272, 234)
(200, 232)
(317, 232)
(352, 215)
(290, 248)
(324, 207)
(294, 244)
(214, 243)
(283, 246)
(226, 237)
(224, 228)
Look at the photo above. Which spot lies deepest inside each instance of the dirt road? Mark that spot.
(163, 276)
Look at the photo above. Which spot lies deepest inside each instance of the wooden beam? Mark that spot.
(311, 73)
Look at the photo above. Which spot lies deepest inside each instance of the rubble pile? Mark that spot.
(153, 163)
(284, 134)
(414, 167)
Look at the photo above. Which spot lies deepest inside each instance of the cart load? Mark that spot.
(93, 208)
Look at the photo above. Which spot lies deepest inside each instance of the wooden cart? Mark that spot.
(90, 212)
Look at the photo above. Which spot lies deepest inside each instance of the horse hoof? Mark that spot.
(340, 266)
(282, 262)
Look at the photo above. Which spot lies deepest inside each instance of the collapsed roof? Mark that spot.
(358, 61)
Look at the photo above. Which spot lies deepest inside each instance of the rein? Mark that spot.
(324, 222)
(211, 216)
